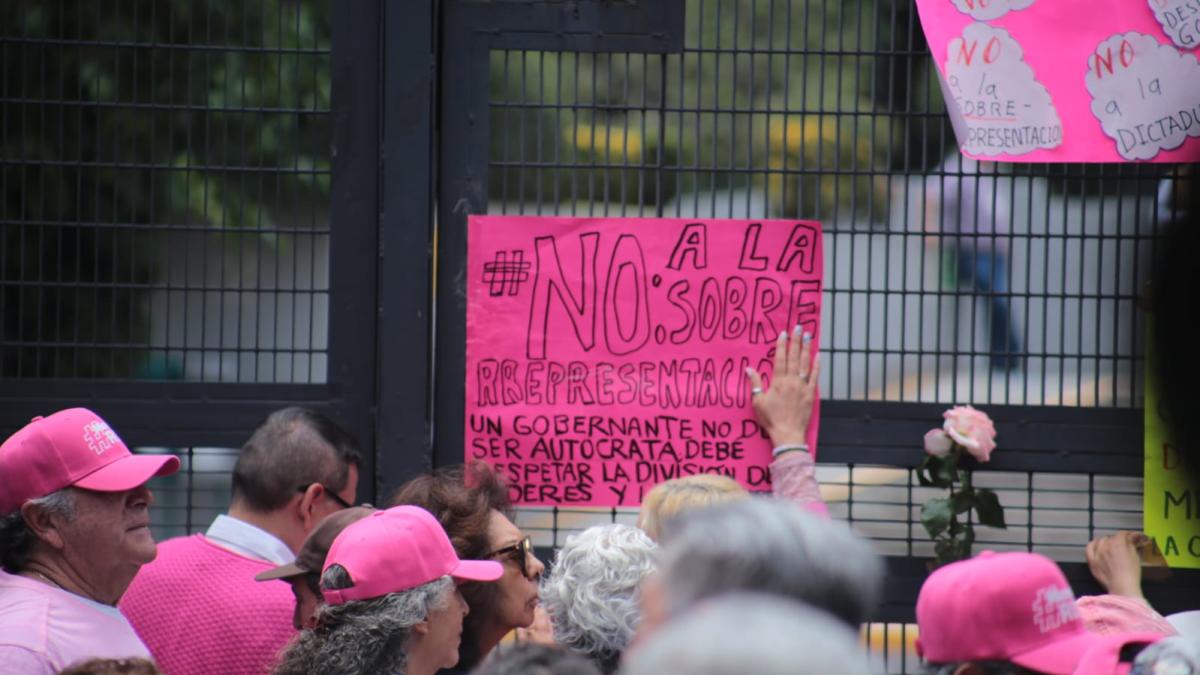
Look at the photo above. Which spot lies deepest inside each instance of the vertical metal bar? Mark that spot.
(716, 114)
(697, 86)
(751, 111)
(785, 176)
(608, 161)
(733, 110)
(1029, 493)
(537, 119)
(38, 213)
(1046, 299)
(662, 133)
(6, 218)
(190, 489)
(243, 218)
(505, 115)
(1062, 330)
(1081, 293)
(591, 174)
(575, 114)
(522, 98)
(205, 176)
(97, 217)
(626, 104)
(379, 239)
(558, 161)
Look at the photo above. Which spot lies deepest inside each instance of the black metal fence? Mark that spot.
(166, 209)
(213, 209)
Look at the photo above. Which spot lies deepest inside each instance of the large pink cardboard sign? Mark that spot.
(605, 356)
(1069, 80)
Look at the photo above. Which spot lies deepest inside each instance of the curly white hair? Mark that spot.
(592, 592)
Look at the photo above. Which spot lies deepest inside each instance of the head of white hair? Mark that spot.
(770, 546)
(592, 592)
(744, 633)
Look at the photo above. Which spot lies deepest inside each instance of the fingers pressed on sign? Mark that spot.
(781, 353)
(795, 363)
(755, 381)
(804, 368)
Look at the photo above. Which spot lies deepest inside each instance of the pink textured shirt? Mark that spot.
(794, 478)
(45, 629)
(200, 610)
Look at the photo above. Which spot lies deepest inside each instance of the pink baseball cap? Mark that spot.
(397, 549)
(1015, 607)
(71, 447)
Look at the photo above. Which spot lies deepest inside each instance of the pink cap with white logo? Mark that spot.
(71, 447)
(1015, 607)
(398, 549)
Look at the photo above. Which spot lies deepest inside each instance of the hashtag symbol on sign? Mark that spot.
(503, 274)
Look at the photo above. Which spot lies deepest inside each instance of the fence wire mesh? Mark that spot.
(946, 280)
(164, 190)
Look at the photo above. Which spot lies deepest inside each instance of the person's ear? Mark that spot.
(44, 524)
(421, 628)
(306, 506)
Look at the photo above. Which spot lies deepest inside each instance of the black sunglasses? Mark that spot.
(519, 552)
(332, 495)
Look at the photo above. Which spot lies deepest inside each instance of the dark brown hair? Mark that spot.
(113, 667)
(462, 498)
(293, 448)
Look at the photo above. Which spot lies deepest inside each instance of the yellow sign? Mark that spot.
(1170, 503)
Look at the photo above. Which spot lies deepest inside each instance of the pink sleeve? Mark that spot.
(1109, 614)
(794, 478)
(15, 659)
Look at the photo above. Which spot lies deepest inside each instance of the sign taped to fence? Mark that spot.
(1069, 80)
(1170, 503)
(607, 355)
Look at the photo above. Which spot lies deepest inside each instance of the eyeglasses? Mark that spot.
(332, 495)
(519, 552)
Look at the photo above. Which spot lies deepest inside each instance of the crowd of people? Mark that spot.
(295, 579)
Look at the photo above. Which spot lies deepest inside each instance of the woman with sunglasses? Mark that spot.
(473, 507)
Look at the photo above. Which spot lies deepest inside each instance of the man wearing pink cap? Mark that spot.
(392, 604)
(1012, 612)
(74, 530)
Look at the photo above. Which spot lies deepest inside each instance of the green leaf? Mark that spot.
(923, 473)
(950, 550)
(936, 516)
(956, 528)
(987, 507)
(938, 471)
(961, 501)
(946, 470)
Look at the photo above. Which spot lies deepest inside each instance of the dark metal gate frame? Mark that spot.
(189, 414)
(1036, 438)
(410, 109)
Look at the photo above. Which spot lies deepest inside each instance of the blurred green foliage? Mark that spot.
(123, 121)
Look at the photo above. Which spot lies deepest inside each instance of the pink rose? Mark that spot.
(972, 429)
(937, 443)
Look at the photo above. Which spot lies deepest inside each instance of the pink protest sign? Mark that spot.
(607, 355)
(1069, 80)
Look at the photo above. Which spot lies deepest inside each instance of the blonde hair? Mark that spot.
(669, 499)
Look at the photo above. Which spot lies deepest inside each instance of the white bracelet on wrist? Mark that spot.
(787, 447)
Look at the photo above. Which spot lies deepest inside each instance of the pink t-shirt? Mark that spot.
(45, 629)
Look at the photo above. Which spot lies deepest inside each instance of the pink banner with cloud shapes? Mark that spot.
(1069, 80)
